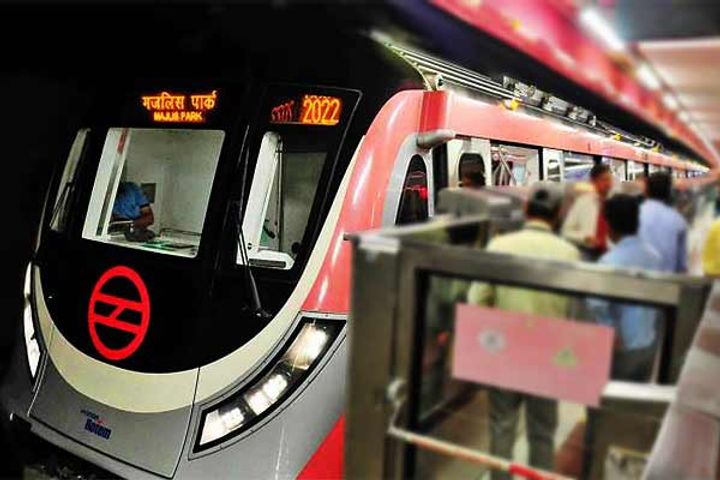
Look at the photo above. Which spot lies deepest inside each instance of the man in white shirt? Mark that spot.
(584, 225)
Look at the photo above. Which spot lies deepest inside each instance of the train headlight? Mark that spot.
(248, 406)
(32, 347)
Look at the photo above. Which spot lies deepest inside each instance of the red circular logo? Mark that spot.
(119, 305)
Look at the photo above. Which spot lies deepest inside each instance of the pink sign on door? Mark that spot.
(543, 356)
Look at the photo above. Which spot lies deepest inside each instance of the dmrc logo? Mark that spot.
(117, 307)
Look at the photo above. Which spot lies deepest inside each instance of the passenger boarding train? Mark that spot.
(213, 343)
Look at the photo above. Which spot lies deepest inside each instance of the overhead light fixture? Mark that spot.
(529, 94)
(670, 101)
(555, 105)
(647, 76)
(600, 28)
(579, 114)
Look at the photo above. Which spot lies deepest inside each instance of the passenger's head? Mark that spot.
(472, 170)
(544, 204)
(601, 178)
(622, 212)
(658, 186)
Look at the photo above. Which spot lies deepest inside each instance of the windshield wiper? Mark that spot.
(257, 308)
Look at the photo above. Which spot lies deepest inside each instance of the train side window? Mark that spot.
(617, 167)
(513, 165)
(152, 189)
(553, 165)
(471, 170)
(60, 211)
(413, 206)
(577, 166)
(457, 149)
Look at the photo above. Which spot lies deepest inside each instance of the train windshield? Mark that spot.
(297, 137)
(152, 189)
(61, 211)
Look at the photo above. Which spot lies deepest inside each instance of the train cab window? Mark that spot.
(286, 180)
(296, 140)
(577, 166)
(152, 189)
(512, 165)
(413, 206)
(60, 211)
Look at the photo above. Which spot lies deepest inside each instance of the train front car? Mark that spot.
(153, 350)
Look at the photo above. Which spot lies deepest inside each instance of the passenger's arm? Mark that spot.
(146, 217)
(577, 226)
(481, 293)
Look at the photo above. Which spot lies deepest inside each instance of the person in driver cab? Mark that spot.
(132, 204)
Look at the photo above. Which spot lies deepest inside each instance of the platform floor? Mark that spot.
(467, 426)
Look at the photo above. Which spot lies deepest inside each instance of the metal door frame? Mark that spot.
(389, 267)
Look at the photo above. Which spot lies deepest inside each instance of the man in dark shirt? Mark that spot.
(132, 204)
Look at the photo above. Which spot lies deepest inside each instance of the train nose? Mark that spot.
(150, 440)
(140, 419)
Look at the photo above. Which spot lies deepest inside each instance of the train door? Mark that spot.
(514, 165)
(553, 165)
(605, 412)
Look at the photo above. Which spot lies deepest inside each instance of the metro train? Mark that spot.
(214, 343)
